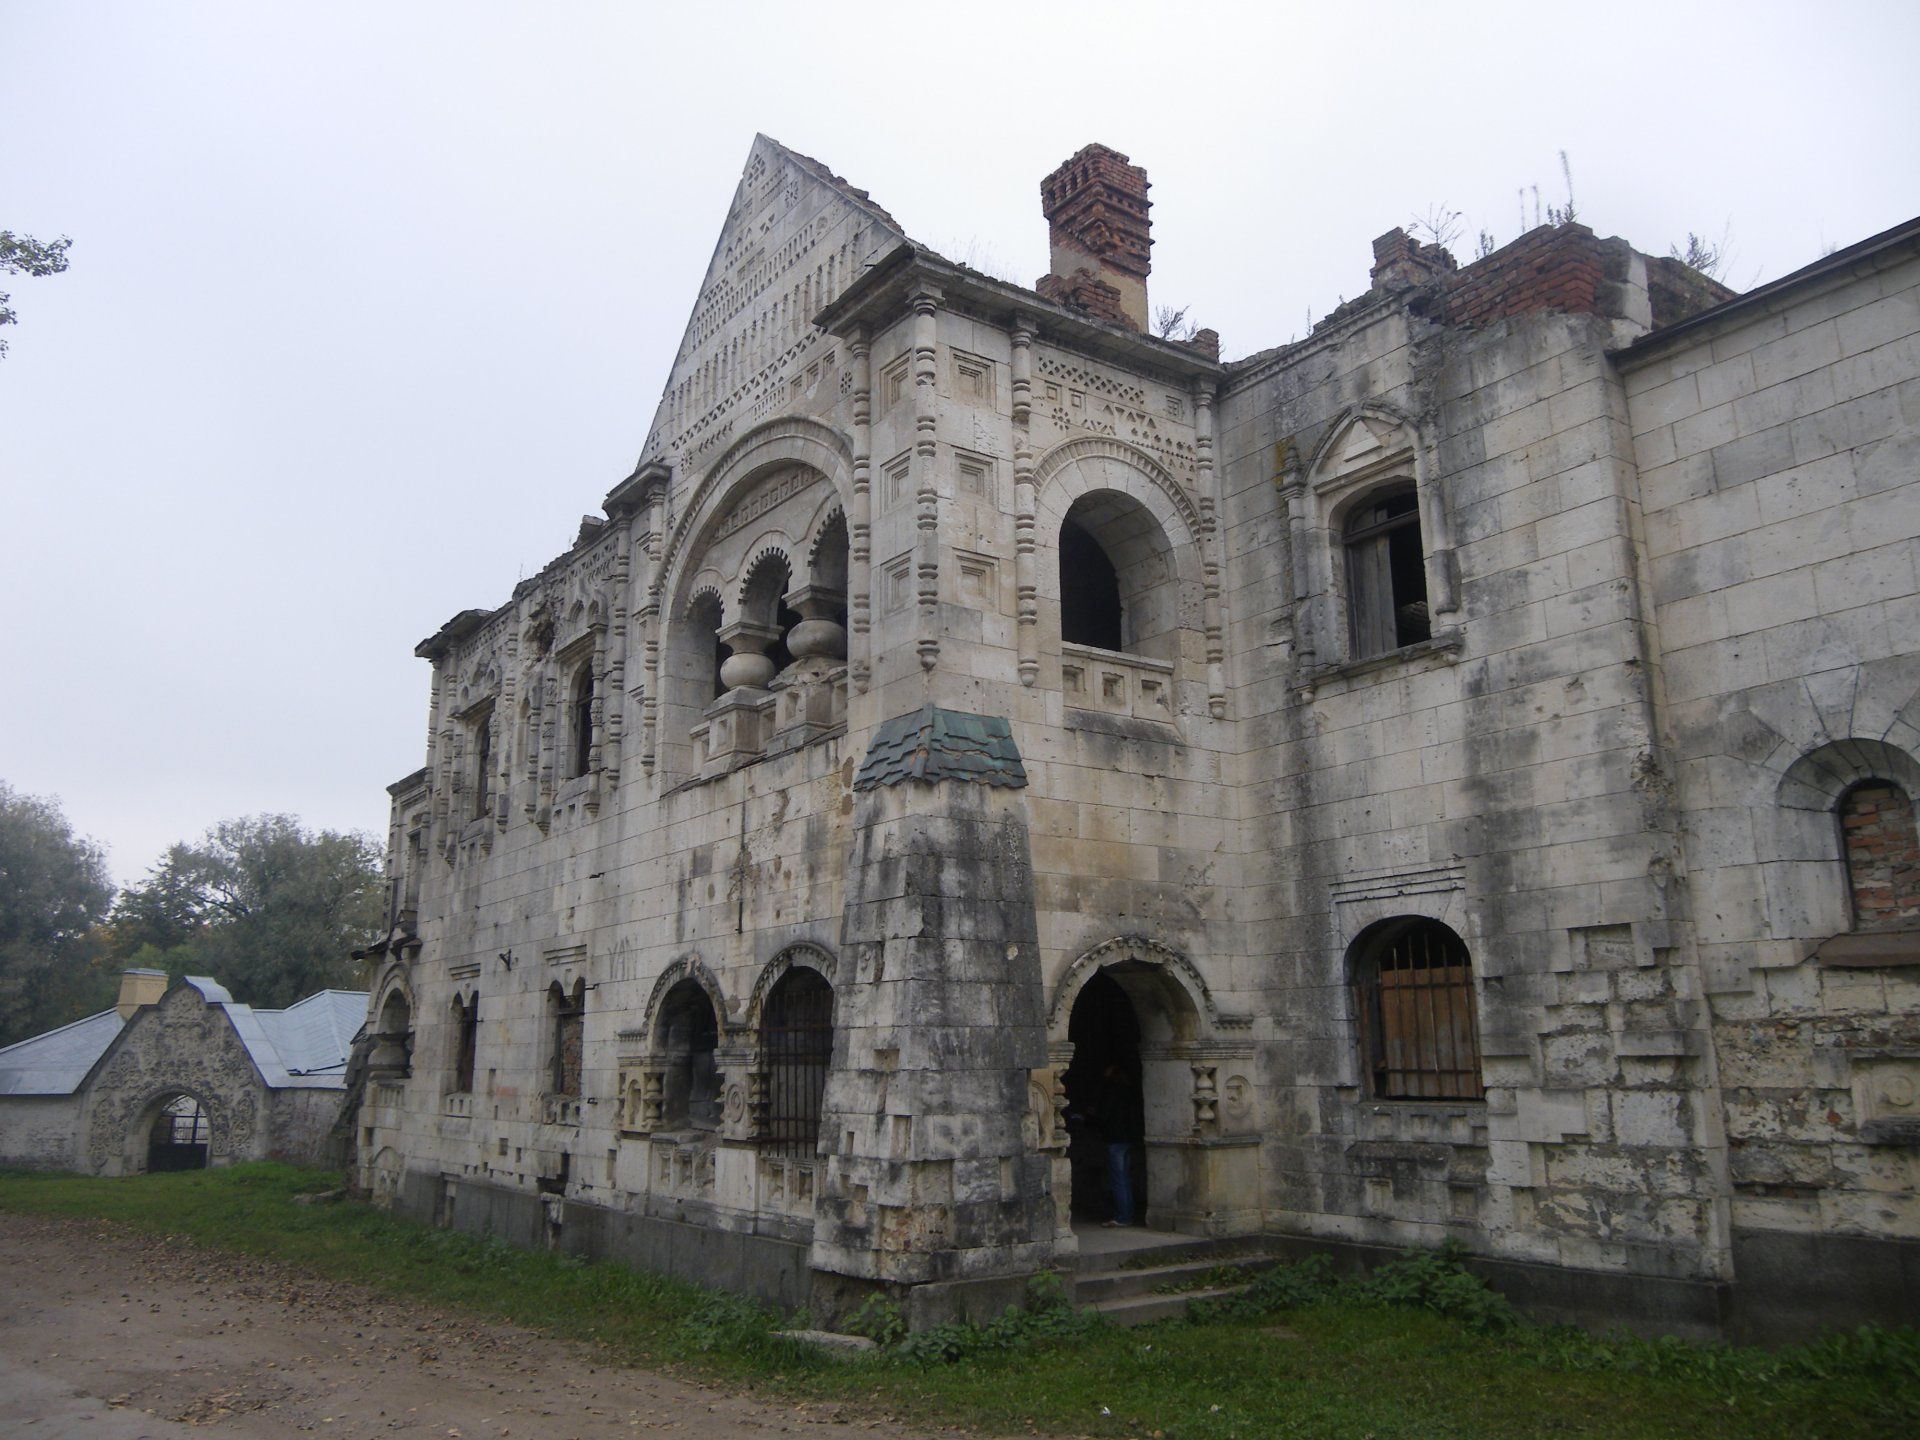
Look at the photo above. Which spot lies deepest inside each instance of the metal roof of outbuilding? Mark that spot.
(303, 1047)
(55, 1063)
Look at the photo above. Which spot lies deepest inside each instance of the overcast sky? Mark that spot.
(370, 303)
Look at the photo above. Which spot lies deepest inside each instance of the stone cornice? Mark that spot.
(884, 295)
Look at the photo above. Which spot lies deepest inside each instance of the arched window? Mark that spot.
(707, 653)
(1091, 612)
(689, 1035)
(796, 1040)
(466, 1042)
(763, 623)
(391, 1056)
(580, 719)
(566, 1021)
(1882, 852)
(1118, 589)
(482, 761)
(1413, 997)
(1386, 573)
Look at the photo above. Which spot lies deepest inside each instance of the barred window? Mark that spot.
(796, 1038)
(1413, 995)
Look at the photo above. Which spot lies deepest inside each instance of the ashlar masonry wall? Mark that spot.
(1779, 453)
(1504, 777)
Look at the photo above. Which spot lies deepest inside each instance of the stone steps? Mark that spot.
(1146, 1309)
(1139, 1294)
(1216, 1249)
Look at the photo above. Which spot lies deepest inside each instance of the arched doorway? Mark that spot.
(1134, 1016)
(1105, 1104)
(179, 1137)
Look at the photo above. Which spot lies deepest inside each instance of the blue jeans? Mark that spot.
(1120, 1179)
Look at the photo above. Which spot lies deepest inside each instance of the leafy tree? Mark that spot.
(164, 913)
(24, 255)
(267, 908)
(53, 889)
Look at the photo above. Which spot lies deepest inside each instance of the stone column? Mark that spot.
(929, 1179)
(812, 690)
(739, 722)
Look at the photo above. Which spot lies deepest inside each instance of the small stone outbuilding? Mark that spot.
(178, 1078)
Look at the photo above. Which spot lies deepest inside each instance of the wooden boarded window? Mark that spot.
(1386, 574)
(581, 718)
(1413, 994)
(466, 1041)
(567, 1014)
(796, 1039)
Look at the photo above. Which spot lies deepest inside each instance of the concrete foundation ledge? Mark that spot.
(770, 1270)
(1557, 1294)
(1792, 1285)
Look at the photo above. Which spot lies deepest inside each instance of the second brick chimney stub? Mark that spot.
(1099, 237)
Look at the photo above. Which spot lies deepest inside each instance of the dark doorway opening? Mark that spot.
(1105, 1100)
(1090, 608)
(178, 1140)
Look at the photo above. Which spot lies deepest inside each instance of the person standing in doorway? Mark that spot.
(1120, 1124)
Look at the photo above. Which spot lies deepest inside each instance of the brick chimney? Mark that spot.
(1096, 207)
(140, 988)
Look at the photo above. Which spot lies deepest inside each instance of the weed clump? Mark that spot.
(1437, 1280)
(1045, 1317)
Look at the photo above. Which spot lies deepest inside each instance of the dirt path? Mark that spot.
(105, 1334)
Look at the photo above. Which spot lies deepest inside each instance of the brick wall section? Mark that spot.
(1564, 268)
(1083, 290)
(1552, 267)
(1883, 856)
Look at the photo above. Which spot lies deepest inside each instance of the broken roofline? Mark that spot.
(876, 298)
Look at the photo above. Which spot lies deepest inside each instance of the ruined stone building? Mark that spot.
(1458, 766)
(179, 1078)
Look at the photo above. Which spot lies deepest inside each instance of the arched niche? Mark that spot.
(1105, 494)
(772, 493)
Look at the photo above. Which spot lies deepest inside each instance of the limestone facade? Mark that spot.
(1420, 754)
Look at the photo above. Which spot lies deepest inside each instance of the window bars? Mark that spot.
(797, 1041)
(1414, 997)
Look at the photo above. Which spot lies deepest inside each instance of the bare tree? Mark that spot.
(1440, 225)
(1709, 257)
(1172, 324)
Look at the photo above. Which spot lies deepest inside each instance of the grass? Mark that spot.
(1411, 1354)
